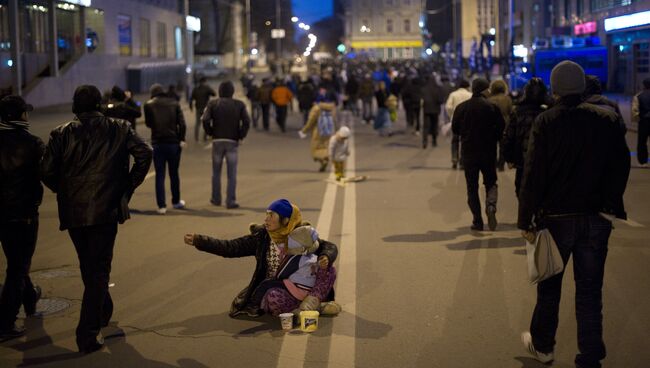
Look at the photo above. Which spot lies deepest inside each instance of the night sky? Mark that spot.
(311, 11)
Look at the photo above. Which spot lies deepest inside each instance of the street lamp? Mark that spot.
(294, 19)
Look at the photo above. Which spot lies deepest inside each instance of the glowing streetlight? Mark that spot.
(294, 19)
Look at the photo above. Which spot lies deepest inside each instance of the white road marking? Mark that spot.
(343, 342)
(150, 175)
(294, 347)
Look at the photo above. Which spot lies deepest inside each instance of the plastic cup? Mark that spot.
(309, 321)
(286, 319)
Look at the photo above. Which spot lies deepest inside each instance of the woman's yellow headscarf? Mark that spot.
(280, 235)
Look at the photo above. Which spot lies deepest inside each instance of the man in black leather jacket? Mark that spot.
(20, 196)
(480, 124)
(575, 174)
(164, 116)
(86, 163)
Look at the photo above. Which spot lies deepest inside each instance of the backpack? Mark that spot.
(325, 124)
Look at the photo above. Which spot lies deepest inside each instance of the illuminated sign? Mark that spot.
(78, 2)
(193, 23)
(627, 21)
(585, 28)
(380, 44)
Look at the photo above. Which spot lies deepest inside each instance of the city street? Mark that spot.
(418, 289)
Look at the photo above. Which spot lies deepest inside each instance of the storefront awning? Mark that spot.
(386, 43)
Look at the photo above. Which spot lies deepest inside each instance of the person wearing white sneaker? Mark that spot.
(527, 339)
(180, 205)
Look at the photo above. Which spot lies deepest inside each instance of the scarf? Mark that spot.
(11, 125)
(280, 235)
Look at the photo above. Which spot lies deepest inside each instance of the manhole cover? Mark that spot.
(49, 306)
(52, 274)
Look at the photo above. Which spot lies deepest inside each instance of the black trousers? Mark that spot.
(94, 245)
(266, 115)
(585, 238)
(413, 117)
(489, 172)
(430, 127)
(281, 116)
(642, 143)
(18, 240)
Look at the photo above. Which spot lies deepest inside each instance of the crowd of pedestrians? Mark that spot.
(568, 149)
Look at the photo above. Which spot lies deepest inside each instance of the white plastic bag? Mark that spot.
(445, 129)
(544, 259)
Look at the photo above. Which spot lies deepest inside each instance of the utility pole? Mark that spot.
(248, 35)
(278, 25)
(510, 42)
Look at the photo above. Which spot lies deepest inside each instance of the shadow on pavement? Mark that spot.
(532, 363)
(187, 212)
(116, 353)
(493, 243)
(428, 237)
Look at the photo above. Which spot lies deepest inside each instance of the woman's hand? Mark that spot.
(323, 262)
(189, 239)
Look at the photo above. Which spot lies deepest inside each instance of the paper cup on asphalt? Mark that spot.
(286, 319)
(309, 321)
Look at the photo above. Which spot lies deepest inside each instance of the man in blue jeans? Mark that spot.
(227, 121)
(575, 175)
(164, 116)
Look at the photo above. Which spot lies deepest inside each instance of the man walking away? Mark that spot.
(227, 121)
(499, 96)
(366, 94)
(164, 116)
(200, 96)
(121, 106)
(264, 97)
(412, 99)
(455, 98)
(515, 139)
(306, 98)
(432, 97)
(20, 196)
(594, 95)
(480, 125)
(86, 163)
(281, 96)
(575, 175)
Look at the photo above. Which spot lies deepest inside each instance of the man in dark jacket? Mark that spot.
(366, 93)
(20, 196)
(227, 121)
(164, 116)
(515, 139)
(121, 106)
(575, 175)
(594, 95)
(480, 125)
(433, 98)
(306, 98)
(86, 163)
(412, 99)
(199, 100)
(644, 124)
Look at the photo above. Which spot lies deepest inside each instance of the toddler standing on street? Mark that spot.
(339, 151)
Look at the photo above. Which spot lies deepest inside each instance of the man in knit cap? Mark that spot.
(575, 175)
(480, 125)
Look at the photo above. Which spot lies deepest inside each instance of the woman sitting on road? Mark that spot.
(268, 243)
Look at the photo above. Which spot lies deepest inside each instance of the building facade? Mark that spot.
(544, 24)
(97, 42)
(384, 29)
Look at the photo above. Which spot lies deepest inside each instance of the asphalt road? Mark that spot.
(417, 288)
